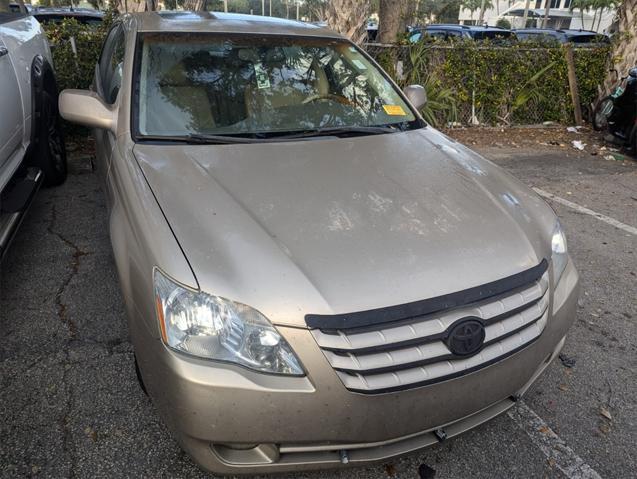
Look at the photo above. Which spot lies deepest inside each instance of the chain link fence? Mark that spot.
(472, 84)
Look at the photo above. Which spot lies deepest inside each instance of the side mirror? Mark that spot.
(86, 108)
(417, 96)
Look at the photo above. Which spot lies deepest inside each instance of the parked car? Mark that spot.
(31, 143)
(15, 7)
(450, 32)
(85, 16)
(577, 37)
(372, 32)
(313, 276)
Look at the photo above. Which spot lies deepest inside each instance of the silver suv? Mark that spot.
(31, 144)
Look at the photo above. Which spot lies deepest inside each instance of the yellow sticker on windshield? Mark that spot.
(394, 110)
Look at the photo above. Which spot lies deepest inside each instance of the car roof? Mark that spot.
(468, 28)
(575, 33)
(538, 30)
(69, 12)
(217, 22)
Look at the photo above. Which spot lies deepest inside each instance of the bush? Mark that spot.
(75, 69)
(495, 84)
(503, 23)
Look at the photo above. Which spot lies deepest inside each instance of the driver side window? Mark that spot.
(111, 65)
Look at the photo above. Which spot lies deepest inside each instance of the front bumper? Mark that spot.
(235, 421)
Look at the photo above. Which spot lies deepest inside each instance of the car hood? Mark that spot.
(333, 225)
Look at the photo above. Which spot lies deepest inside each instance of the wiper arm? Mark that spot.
(221, 139)
(339, 131)
(200, 139)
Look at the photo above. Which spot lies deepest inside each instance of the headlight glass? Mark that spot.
(215, 328)
(559, 252)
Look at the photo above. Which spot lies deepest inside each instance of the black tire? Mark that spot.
(50, 151)
(602, 111)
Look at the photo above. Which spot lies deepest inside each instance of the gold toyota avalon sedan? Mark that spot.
(313, 276)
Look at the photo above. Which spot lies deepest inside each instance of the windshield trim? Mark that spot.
(138, 137)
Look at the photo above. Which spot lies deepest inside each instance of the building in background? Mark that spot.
(560, 15)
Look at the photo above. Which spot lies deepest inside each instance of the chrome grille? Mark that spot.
(412, 352)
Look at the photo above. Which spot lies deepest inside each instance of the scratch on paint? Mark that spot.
(339, 221)
(379, 203)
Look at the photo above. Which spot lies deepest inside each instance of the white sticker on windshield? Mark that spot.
(263, 81)
(359, 64)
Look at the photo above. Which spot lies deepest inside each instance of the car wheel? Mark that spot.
(50, 151)
(602, 112)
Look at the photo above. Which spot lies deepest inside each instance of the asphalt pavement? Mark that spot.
(70, 404)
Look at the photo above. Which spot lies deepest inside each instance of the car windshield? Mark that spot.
(260, 86)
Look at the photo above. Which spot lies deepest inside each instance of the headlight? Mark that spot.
(215, 328)
(559, 254)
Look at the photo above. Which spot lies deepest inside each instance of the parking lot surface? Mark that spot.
(70, 404)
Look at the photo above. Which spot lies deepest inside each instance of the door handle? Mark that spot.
(3, 51)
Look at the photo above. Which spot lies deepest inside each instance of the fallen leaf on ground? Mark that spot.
(563, 387)
(567, 361)
(91, 434)
(604, 412)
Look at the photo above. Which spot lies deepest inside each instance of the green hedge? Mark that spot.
(493, 84)
(76, 69)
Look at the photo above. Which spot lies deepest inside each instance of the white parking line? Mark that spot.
(551, 445)
(582, 209)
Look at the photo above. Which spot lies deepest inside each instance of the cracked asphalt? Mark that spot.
(70, 405)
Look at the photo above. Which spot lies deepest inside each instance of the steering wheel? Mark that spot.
(329, 96)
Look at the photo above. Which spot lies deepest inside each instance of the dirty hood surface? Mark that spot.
(341, 225)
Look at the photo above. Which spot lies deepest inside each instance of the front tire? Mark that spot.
(50, 150)
(602, 112)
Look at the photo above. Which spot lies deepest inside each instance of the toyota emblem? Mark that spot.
(466, 337)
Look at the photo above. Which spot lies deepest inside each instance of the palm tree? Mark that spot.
(600, 6)
(471, 5)
(484, 6)
(581, 5)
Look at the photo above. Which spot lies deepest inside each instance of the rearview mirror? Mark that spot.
(417, 96)
(86, 108)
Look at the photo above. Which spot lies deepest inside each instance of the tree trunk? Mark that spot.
(481, 16)
(349, 18)
(547, 10)
(390, 15)
(409, 15)
(194, 5)
(599, 21)
(625, 51)
(526, 12)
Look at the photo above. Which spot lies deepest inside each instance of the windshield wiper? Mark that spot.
(204, 139)
(342, 131)
(221, 139)
(201, 139)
